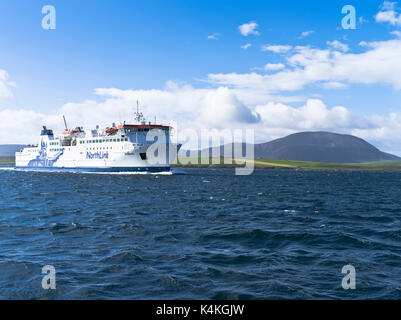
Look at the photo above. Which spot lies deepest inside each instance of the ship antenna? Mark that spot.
(138, 115)
(65, 123)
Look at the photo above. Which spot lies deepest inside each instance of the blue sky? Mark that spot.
(142, 45)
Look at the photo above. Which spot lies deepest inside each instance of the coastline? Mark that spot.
(387, 165)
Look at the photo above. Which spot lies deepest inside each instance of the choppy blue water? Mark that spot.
(205, 235)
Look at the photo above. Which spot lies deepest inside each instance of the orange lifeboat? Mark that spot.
(111, 131)
(69, 131)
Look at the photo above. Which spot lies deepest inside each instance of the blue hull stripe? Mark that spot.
(110, 169)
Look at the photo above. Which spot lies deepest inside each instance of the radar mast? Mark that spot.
(138, 115)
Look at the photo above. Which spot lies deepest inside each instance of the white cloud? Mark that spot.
(363, 44)
(246, 46)
(379, 64)
(362, 20)
(274, 66)
(314, 115)
(385, 132)
(334, 85)
(306, 33)
(276, 48)
(221, 107)
(218, 108)
(338, 45)
(214, 36)
(192, 108)
(5, 84)
(388, 5)
(248, 28)
(388, 14)
(396, 33)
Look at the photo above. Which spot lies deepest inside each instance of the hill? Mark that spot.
(9, 150)
(324, 147)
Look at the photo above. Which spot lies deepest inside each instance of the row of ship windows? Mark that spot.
(104, 140)
(104, 148)
(95, 141)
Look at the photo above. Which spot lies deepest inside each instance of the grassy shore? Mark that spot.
(290, 164)
(7, 161)
(270, 164)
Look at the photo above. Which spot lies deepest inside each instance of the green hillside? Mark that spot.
(7, 161)
(292, 164)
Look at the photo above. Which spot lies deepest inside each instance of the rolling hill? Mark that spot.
(325, 147)
(8, 150)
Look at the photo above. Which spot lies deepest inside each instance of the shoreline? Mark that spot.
(274, 164)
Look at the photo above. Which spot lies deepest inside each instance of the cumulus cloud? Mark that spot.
(306, 34)
(219, 108)
(396, 33)
(333, 85)
(388, 14)
(362, 20)
(276, 48)
(23, 126)
(195, 108)
(5, 84)
(338, 45)
(314, 115)
(246, 46)
(379, 64)
(222, 107)
(214, 36)
(273, 66)
(248, 28)
(385, 133)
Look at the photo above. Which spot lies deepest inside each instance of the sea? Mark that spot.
(201, 234)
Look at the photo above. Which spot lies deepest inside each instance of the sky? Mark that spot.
(277, 67)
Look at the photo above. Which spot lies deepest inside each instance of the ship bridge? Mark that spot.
(137, 132)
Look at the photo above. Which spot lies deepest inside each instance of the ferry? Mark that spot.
(122, 148)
